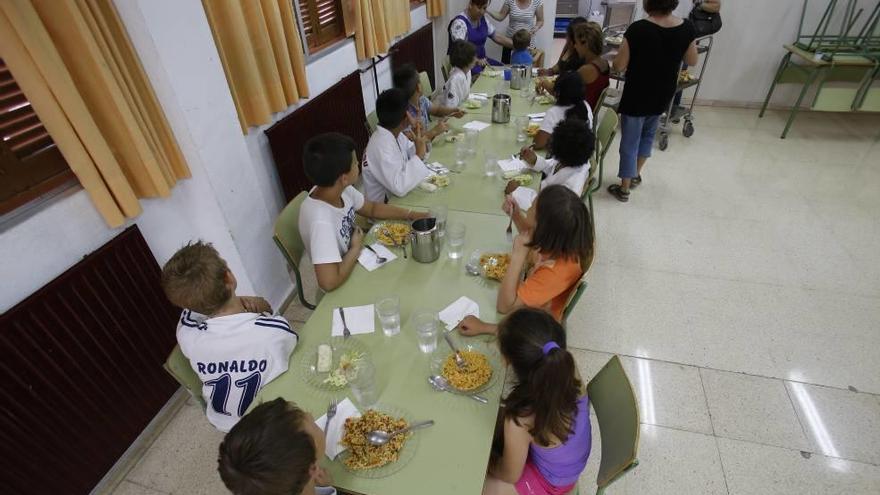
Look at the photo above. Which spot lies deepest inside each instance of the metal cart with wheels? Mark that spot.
(674, 114)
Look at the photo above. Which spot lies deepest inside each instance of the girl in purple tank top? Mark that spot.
(545, 441)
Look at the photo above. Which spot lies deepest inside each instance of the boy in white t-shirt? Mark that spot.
(234, 344)
(327, 215)
(462, 57)
(275, 450)
(571, 147)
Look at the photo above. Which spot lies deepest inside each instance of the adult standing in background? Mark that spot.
(524, 14)
(569, 59)
(651, 54)
(685, 11)
(471, 25)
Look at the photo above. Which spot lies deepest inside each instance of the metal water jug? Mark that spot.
(425, 240)
(501, 109)
(519, 76)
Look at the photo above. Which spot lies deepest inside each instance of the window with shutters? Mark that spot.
(322, 22)
(30, 163)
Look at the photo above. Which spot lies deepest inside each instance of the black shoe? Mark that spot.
(635, 181)
(619, 193)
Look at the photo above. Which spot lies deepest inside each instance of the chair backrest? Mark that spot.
(177, 365)
(600, 101)
(425, 82)
(446, 68)
(573, 299)
(372, 122)
(286, 233)
(605, 132)
(617, 412)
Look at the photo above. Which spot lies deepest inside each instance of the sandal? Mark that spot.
(619, 193)
(635, 181)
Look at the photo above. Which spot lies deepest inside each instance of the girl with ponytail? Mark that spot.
(546, 418)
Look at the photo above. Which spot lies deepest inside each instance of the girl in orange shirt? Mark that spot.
(554, 255)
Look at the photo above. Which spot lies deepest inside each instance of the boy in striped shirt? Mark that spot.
(233, 343)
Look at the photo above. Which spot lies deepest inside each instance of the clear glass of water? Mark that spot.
(522, 124)
(388, 310)
(427, 330)
(362, 381)
(490, 166)
(455, 240)
(471, 137)
(439, 212)
(461, 154)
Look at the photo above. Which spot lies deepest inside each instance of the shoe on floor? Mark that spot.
(635, 182)
(619, 193)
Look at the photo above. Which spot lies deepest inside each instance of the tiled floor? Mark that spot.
(741, 283)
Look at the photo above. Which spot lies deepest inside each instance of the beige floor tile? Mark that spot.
(184, 458)
(130, 488)
(751, 469)
(839, 423)
(753, 409)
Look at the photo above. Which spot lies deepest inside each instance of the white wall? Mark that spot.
(234, 194)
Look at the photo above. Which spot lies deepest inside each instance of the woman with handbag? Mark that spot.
(706, 17)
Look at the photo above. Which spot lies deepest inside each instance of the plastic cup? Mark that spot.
(427, 330)
(490, 165)
(388, 311)
(521, 124)
(461, 154)
(471, 137)
(455, 240)
(439, 212)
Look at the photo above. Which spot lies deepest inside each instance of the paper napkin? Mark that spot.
(437, 167)
(476, 125)
(344, 410)
(478, 96)
(359, 320)
(512, 165)
(524, 197)
(455, 312)
(370, 260)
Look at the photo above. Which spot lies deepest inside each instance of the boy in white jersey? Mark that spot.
(233, 343)
(326, 217)
(274, 450)
(462, 57)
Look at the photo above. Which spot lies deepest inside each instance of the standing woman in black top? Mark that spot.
(651, 55)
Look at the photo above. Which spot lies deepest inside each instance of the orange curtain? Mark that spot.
(436, 8)
(377, 23)
(262, 54)
(74, 62)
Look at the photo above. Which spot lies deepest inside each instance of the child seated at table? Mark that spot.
(420, 108)
(234, 344)
(571, 148)
(554, 255)
(570, 104)
(393, 159)
(327, 215)
(462, 57)
(545, 439)
(274, 450)
(521, 54)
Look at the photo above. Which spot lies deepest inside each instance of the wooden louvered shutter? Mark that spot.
(322, 21)
(30, 163)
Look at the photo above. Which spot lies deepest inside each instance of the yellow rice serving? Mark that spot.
(477, 371)
(494, 265)
(391, 234)
(364, 455)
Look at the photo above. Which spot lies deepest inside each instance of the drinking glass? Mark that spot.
(438, 358)
(427, 330)
(521, 124)
(471, 137)
(388, 310)
(362, 381)
(461, 154)
(439, 212)
(455, 239)
(490, 166)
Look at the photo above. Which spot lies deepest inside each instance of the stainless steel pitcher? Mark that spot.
(425, 240)
(501, 109)
(520, 76)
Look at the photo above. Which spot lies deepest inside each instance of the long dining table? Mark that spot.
(520, 105)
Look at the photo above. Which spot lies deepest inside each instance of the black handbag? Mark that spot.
(705, 23)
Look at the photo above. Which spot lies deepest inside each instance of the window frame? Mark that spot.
(322, 45)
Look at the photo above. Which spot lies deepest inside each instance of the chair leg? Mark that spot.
(782, 65)
(797, 106)
(299, 289)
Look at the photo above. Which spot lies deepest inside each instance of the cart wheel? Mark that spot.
(664, 142)
(688, 129)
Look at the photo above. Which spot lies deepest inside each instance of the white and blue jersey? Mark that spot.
(234, 356)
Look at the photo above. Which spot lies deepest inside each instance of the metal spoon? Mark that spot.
(441, 385)
(379, 437)
(379, 259)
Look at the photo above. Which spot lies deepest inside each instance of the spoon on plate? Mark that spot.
(441, 385)
(379, 437)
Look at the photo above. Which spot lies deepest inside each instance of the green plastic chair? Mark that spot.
(605, 132)
(290, 243)
(573, 299)
(617, 412)
(425, 82)
(177, 365)
(446, 68)
(372, 122)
